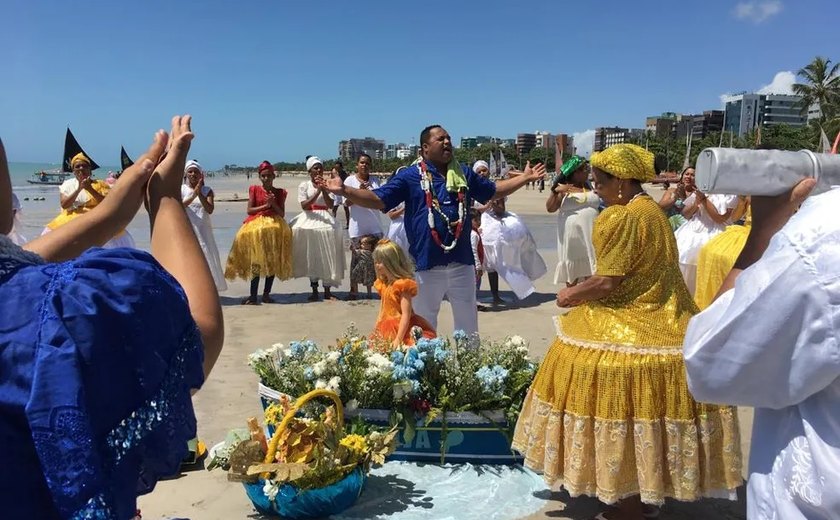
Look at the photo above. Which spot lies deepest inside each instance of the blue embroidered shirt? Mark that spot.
(97, 359)
(405, 187)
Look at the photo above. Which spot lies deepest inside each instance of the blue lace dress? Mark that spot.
(97, 359)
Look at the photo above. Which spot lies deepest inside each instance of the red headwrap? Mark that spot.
(265, 165)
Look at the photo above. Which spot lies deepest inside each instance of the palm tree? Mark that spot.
(822, 86)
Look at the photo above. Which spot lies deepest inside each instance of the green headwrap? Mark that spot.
(569, 167)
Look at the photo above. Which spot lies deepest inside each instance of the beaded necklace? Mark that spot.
(433, 206)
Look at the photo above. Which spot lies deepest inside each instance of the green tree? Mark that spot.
(821, 85)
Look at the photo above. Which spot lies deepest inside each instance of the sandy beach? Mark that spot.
(229, 395)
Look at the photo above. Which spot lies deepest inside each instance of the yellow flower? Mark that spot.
(354, 443)
(274, 414)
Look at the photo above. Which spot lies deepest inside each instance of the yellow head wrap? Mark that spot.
(79, 157)
(625, 161)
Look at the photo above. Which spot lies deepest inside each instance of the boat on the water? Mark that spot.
(49, 177)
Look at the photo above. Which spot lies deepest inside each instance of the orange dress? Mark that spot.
(388, 323)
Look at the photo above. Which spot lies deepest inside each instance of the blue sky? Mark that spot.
(279, 80)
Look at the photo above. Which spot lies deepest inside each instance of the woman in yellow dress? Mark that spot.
(609, 413)
(81, 194)
(263, 245)
(718, 256)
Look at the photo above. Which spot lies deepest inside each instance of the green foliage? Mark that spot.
(821, 85)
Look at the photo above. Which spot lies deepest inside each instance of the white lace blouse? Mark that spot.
(772, 343)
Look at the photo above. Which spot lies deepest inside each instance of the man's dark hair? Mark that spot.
(363, 154)
(427, 133)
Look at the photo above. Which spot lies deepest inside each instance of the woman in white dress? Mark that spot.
(318, 242)
(707, 216)
(576, 207)
(199, 202)
(510, 252)
(16, 237)
(396, 229)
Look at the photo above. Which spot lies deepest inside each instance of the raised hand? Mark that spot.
(334, 184)
(169, 173)
(535, 173)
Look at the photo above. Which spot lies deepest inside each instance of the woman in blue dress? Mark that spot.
(100, 349)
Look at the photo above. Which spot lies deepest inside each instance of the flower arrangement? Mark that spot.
(428, 380)
(305, 458)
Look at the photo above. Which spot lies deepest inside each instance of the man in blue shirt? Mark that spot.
(438, 194)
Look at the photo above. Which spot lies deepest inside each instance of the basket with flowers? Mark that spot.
(452, 399)
(310, 467)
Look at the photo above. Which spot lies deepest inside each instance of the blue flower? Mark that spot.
(459, 336)
(302, 348)
(492, 379)
(309, 374)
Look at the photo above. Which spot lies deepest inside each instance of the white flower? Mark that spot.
(319, 368)
(287, 352)
(374, 436)
(333, 385)
(320, 384)
(401, 389)
(351, 405)
(277, 347)
(333, 356)
(270, 489)
(256, 357)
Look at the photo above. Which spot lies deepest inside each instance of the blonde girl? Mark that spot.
(396, 287)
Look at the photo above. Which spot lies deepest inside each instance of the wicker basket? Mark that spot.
(294, 503)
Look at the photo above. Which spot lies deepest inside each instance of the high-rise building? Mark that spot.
(746, 112)
(600, 143)
(565, 143)
(544, 140)
(661, 127)
(814, 112)
(623, 135)
(479, 140)
(706, 123)
(525, 143)
(350, 149)
(782, 109)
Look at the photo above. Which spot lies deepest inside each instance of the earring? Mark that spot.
(619, 193)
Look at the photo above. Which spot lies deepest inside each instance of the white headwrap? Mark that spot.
(311, 162)
(193, 164)
(479, 164)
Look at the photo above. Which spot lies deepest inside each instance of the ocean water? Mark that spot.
(21, 171)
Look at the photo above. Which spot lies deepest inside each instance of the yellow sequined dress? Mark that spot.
(609, 413)
(716, 260)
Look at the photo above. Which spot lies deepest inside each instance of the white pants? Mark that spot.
(457, 283)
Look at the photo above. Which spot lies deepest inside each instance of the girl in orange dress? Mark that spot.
(396, 286)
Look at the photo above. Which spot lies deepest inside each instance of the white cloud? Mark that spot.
(782, 84)
(726, 98)
(757, 11)
(584, 141)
